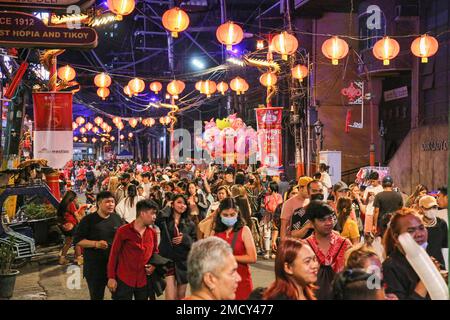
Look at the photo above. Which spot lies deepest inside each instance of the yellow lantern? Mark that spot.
(424, 47)
(84, 139)
(222, 87)
(127, 91)
(75, 139)
(285, 44)
(83, 130)
(175, 87)
(122, 137)
(74, 125)
(80, 121)
(149, 122)
(130, 135)
(229, 34)
(156, 87)
(165, 121)
(299, 72)
(108, 129)
(120, 125)
(335, 49)
(104, 126)
(112, 138)
(260, 44)
(89, 126)
(133, 122)
(208, 87)
(386, 49)
(102, 80)
(103, 93)
(238, 85)
(94, 140)
(66, 73)
(175, 20)
(121, 7)
(198, 86)
(136, 85)
(116, 120)
(98, 121)
(95, 129)
(103, 139)
(268, 79)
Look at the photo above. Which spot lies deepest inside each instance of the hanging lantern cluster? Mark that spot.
(66, 73)
(120, 125)
(229, 34)
(148, 122)
(89, 126)
(98, 121)
(175, 20)
(83, 130)
(239, 85)
(95, 129)
(102, 81)
(116, 120)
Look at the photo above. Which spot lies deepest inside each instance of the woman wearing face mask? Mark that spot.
(436, 227)
(206, 227)
(296, 269)
(178, 233)
(399, 275)
(230, 227)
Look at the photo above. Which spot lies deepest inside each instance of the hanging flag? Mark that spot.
(53, 127)
(269, 124)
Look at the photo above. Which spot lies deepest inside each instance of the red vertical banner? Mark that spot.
(269, 124)
(53, 127)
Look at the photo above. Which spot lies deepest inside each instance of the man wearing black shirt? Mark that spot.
(387, 201)
(95, 233)
(436, 227)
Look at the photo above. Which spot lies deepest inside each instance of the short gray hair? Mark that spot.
(206, 255)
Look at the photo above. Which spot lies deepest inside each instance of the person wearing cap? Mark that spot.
(385, 202)
(339, 190)
(292, 205)
(436, 227)
(125, 181)
(328, 246)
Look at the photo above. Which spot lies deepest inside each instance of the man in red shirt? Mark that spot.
(133, 246)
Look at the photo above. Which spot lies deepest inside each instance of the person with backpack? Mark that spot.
(328, 246)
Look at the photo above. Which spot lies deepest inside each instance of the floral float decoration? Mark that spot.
(228, 140)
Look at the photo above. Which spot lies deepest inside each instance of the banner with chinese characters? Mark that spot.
(269, 124)
(53, 127)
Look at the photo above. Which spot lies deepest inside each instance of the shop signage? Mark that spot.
(395, 94)
(435, 145)
(59, 6)
(23, 30)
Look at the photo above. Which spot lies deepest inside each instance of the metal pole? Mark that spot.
(223, 19)
(118, 141)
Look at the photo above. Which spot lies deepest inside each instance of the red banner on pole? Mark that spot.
(53, 127)
(269, 124)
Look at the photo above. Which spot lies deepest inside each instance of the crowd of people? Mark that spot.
(142, 231)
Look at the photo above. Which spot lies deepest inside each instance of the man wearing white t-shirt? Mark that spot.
(371, 191)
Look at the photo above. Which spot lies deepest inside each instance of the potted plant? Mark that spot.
(7, 274)
(38, 216)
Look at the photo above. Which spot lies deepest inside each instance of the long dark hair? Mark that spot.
(131, 194)
(186, 213)
(343, 208)
(284, 284)
(69, 197)
(228, 203)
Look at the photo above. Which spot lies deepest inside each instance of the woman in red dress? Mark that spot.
(230, 227)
